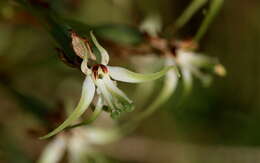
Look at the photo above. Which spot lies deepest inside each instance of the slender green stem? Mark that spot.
(194, 6)
(186, 15)
(214, 8)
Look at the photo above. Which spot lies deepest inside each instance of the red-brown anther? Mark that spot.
(95, 73)
(104, 68)
(95, 69)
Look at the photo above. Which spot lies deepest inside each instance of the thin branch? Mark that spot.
(214, 8)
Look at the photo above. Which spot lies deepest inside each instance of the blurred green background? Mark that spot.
(212, 125)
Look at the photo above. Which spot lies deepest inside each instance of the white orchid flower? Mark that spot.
(191, 64)
(101, 80)
(152, 24)
(79, 144)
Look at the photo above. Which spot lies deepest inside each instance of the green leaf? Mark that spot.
(122, 34)
(119, 33)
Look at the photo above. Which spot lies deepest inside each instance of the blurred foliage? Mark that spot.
(33, 77)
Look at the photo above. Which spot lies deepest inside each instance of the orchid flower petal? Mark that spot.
(117, 101)
(78, 146)
(102, 136)
(196, 59)
(203, 61)
(112, 87)
(88, 92)
(103, 52)
(54, 151)
(94, 115)
(187, 79)
(105, 93)
(220, 70)
(152, 25)
(169, 86)
(204, 78)
(81, 46)
(124, 75)
(121, 101)
(84, 66)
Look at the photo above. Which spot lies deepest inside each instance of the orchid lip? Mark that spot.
(96, 71)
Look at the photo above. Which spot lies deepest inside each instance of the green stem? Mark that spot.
(214, 8)
(194, 6)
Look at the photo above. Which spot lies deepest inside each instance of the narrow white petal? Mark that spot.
(112, 87)
(102, 136)
(105, 93)
(93, 116)
(78, 146)
(120, 100)
(205, 78)
(54, 151)
(103, 52)
(152, 25)
(117, 101)
(195, 59)
(169, 86)
(202, 60)
(187, 79)
(84, 66)
(124, 75)
(87, 95)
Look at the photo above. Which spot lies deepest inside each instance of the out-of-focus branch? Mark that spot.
(189, 12)
(141, 149)
(186, 15)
